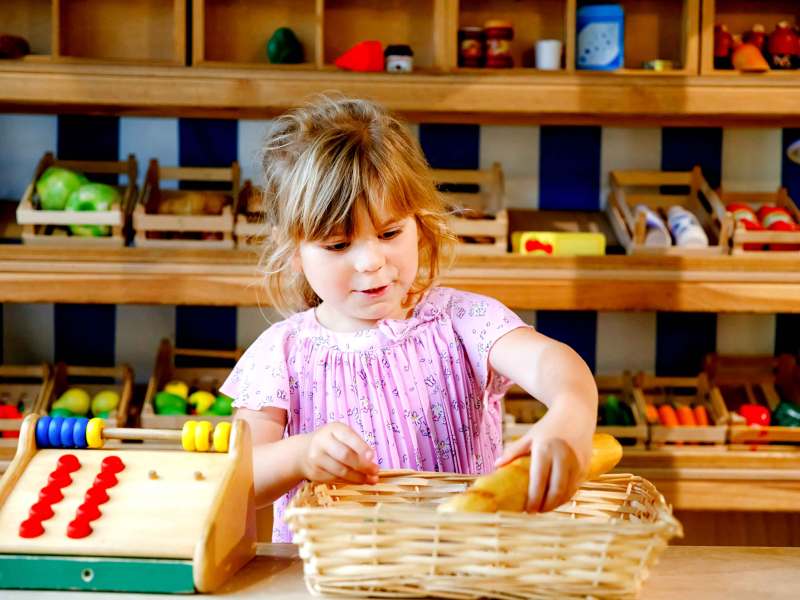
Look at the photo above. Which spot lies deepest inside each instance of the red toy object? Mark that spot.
(31, 528)
(41, 511)
(88, 511)
(777, 218)
(112, 464)
(723, 45)
(96, 495)
(756, 36)
(783, 46)
(366, 56)
(51, 494)
(78, 528)
(745, 215)
(755, 414)
(68, 463)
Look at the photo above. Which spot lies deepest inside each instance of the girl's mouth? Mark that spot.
(375, 292)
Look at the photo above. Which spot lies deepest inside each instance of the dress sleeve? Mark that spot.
(479, 321)
(261, 377)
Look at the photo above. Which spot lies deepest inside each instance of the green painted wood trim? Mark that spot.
(43, 572)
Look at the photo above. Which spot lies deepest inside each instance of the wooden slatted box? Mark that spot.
(24, 386)
(686, 391)
(93, 380)
(172, 218)
(480, 219)
(653, 189)
(763, 242)
(50, 227)
(250, 228)
(196, 377)
(762, 380)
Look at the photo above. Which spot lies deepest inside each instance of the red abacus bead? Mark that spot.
(78, 528)
(88, 511)
(96, 495)
(31, 528)
(105, 479)
(112, 464)
(68, 463)
(59, 479)
(41, 510)
(51, 494)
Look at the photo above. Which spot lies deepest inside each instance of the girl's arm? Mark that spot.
(332, 452)
(560, 444)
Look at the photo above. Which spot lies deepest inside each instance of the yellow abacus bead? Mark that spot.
(94, 433)
(222, 434)
(188, 435)
(202, 436)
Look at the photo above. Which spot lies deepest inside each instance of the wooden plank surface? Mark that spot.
(496, 97)
(230, 278)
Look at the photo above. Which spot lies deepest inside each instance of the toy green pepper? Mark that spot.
(616, 412)
(787, 414)
(169, 404)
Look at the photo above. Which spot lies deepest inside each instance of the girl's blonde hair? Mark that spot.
(322, 161)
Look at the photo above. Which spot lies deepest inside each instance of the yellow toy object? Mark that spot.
(507, 488)
(75, 399)
(201, 400)
(122, 517)
(559, 243)
(179, 388)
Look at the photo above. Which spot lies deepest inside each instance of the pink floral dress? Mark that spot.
(418, 390)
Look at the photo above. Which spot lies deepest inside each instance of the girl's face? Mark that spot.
(365, 278)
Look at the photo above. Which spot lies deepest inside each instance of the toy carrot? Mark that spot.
(701, 415)
(667, 416)
(651, 414)
(686, 416)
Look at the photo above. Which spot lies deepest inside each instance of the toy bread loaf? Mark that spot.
(507, 488)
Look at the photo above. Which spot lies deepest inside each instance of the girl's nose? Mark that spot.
(369, 257)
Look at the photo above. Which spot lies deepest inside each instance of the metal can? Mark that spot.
(498, 44)
(470, 47)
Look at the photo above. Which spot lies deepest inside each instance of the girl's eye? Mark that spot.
(337, 246)
(387, 235)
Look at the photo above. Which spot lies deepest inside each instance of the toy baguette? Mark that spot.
(507, 488)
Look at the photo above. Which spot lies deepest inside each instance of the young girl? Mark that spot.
(381, 368)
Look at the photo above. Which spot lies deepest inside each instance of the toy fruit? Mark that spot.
(507, 487)
(283, 48)
(92, 197)
(169, 404)
(104, 402)
(364, 56)
(755, 414)
(179, 388)
(76, 400)
(223, 406)
(55, 186)
(748, 58)
(201, 400)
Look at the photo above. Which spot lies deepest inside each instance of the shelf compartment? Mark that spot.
(740, 16)
(661, 29)
(127, 31)
(32, 20)
(227, 33)
(418, 23)
(533, 20)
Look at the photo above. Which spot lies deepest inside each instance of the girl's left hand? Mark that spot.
(559, 462)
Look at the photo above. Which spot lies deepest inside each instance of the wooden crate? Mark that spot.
(622, 386)
(521, 411)
(250, 228)
(762, 380)
(630, 188)
(48, 227)
(742, 240)
(94, 380)
(197, 378)
(650, 389)
(191, 230)
(480, 220)
(26, 384)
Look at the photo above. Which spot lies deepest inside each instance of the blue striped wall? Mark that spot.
(550, 167)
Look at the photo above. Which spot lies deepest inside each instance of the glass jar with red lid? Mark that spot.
(498, 44)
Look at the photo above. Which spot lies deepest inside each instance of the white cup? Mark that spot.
(548, 55)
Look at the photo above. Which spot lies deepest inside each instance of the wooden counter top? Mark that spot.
(683, 573)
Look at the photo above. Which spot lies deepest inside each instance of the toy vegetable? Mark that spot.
(755, 414)
(507, 488)
(787, 414)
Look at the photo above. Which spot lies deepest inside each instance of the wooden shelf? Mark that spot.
(229, 277)
(510, 97)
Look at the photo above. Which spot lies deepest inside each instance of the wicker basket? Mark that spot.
(388, 541)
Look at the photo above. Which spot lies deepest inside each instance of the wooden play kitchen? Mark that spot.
(76, 516)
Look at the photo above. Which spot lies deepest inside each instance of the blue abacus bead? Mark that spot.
(54, 432)
(42, 428)
(66, 432)
(79, 432)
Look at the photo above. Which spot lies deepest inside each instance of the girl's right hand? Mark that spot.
(335, 453)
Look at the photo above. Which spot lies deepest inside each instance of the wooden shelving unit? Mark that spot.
(229, 277)
(77, 64)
